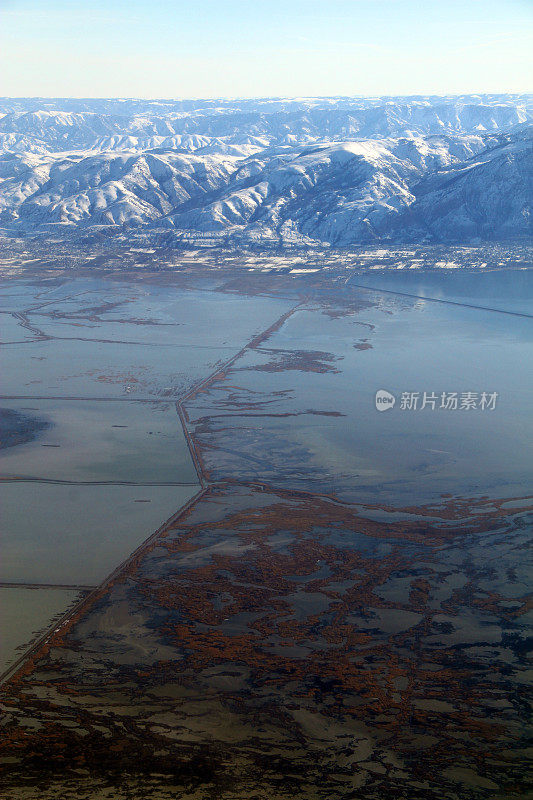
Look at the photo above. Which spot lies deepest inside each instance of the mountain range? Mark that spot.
(307, 171)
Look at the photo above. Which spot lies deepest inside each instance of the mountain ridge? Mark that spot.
(327, 171)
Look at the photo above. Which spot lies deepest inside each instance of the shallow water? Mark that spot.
(87, 369)
(354, 642)
(81, 354)
(77, 534)
(506, 289)
(316, 424)
(101, 441)
(113, 340)
(25, 613)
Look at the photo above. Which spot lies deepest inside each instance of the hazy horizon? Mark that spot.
(242, 50)
(291, 97)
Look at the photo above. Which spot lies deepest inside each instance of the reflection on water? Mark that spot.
(325, 431)
(506, 289)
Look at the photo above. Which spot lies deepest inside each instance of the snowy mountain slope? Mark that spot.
(333, 170)
(105, 188)
(488, 197)
(330, 191)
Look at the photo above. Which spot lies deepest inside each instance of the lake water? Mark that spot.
(310, 419)
(101, 441)
(348, 598)
(100, 460)
(506, 290)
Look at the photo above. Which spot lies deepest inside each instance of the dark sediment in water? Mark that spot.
(17, 428)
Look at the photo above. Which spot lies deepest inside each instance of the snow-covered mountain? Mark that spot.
(337, 171)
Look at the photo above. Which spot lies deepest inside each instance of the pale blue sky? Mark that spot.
(250, 48)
